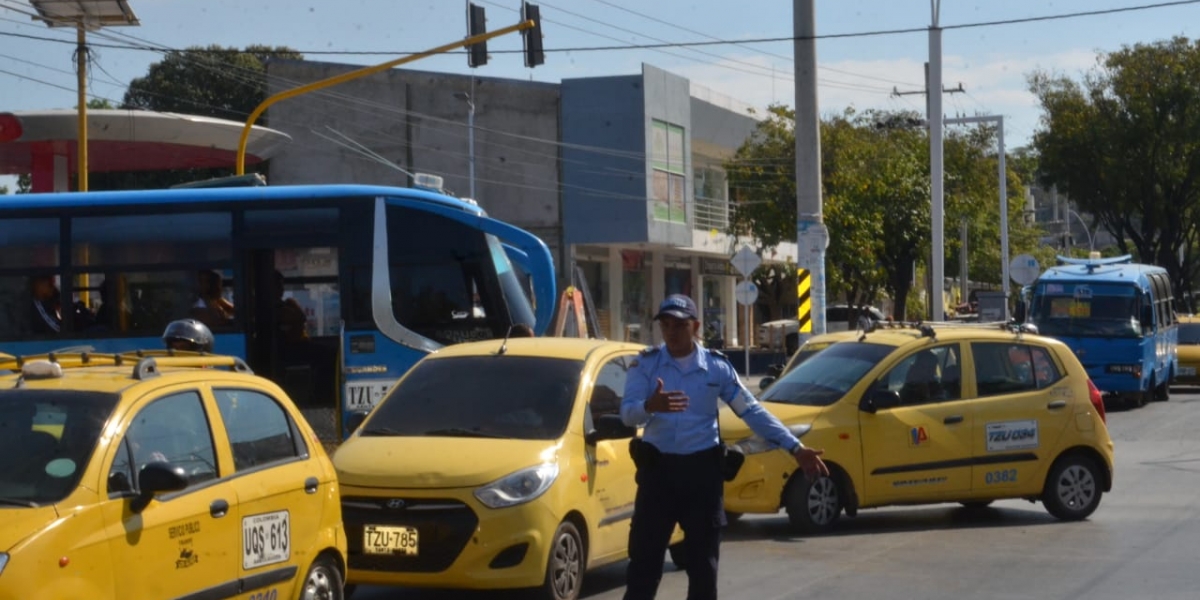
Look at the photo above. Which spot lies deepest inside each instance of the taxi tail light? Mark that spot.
(1097, 400)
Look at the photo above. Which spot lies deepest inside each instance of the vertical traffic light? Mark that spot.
(477, 55)
(534, 55)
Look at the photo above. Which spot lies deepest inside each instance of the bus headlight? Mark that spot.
(519, 487)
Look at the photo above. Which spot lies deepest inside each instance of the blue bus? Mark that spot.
(1118, 317)
(333, 291)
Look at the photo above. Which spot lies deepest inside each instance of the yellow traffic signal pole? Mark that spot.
(332, 81)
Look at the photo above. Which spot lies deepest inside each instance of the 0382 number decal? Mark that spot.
(1005, 476)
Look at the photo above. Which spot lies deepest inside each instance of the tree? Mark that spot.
(1125, 145)
(212, 81)
(875, 176)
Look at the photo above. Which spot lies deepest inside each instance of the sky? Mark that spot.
(860, 65)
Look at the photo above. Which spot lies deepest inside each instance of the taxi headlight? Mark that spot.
(519, 487)
(757, 445)
(3, 561)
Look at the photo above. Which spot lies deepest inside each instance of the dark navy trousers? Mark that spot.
(688, 490)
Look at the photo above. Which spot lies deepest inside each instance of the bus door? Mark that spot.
(292, 331)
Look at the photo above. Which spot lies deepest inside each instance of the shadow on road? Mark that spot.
(892, 520)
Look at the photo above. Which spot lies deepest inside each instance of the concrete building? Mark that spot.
(621, 176)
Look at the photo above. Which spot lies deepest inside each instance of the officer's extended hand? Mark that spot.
(660, 401)
(810, 462)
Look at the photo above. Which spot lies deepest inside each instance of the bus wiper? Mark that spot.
(461, 432)
(18, 502)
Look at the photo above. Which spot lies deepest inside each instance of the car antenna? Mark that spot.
(504, 344)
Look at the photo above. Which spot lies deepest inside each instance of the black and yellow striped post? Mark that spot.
(804, 299)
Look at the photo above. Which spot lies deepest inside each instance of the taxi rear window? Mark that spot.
(47, 438)
(511, 397)
(826, 376)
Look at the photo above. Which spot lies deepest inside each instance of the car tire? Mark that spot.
(564, 569)
(678, 556)
(324, 581)
(1073, 487)
(813, 504)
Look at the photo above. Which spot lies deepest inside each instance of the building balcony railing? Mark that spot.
(711, 213)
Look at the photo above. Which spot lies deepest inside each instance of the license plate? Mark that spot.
(386, 539)
(364, 395)
(1187, 371)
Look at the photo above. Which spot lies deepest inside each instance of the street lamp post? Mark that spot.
(83, 16)
(470, 100)
(1091, 239)
(1003, 170)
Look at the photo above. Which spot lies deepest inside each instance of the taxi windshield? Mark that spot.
(46, 440)
(1189, 334)
(827, 375)
(511, 397)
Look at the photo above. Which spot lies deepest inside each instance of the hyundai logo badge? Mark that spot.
(395, 504)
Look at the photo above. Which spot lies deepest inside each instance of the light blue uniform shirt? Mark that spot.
(707, 378)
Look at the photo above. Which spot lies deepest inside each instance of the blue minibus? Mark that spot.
(333, 291)
(1118, 317)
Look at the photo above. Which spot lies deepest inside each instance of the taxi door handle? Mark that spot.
(952, 419)
(310, 485)
(218, 508)
(1057, 404)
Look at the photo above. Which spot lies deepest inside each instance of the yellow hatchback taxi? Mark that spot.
(928, 415)
(1188, 372)
(491, 465)
(161, 477)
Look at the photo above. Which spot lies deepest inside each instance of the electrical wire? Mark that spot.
(721, 42)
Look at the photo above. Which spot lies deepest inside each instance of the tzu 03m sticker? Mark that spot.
(1012, 435)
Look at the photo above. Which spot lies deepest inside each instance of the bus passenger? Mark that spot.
(45, 315)
(211, 307)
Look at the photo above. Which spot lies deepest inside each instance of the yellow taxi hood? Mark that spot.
(435, 462)
(18, 524)
(734, 429)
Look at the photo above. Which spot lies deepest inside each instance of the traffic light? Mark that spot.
(477, 55)
(534, 55)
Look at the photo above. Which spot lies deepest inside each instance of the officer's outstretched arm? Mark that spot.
(747, 408)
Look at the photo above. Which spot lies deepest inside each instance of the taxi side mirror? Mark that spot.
(156, 478)
(765, 383)
(609, 427)
(356, 419)
(876, 400)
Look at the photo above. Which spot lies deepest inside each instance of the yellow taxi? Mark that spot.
(923, 415)
(491, 465)
(161, 476)
(1188, 372)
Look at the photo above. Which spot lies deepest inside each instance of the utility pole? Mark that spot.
(937, 266)
(811, 235)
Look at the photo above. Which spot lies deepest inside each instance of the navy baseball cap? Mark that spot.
(678, 306)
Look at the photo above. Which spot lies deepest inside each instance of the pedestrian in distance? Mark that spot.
(672, 391)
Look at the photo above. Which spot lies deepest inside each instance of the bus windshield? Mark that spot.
(1086, 310)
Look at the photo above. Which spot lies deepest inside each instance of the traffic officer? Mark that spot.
(188, 334)
(672, 391)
